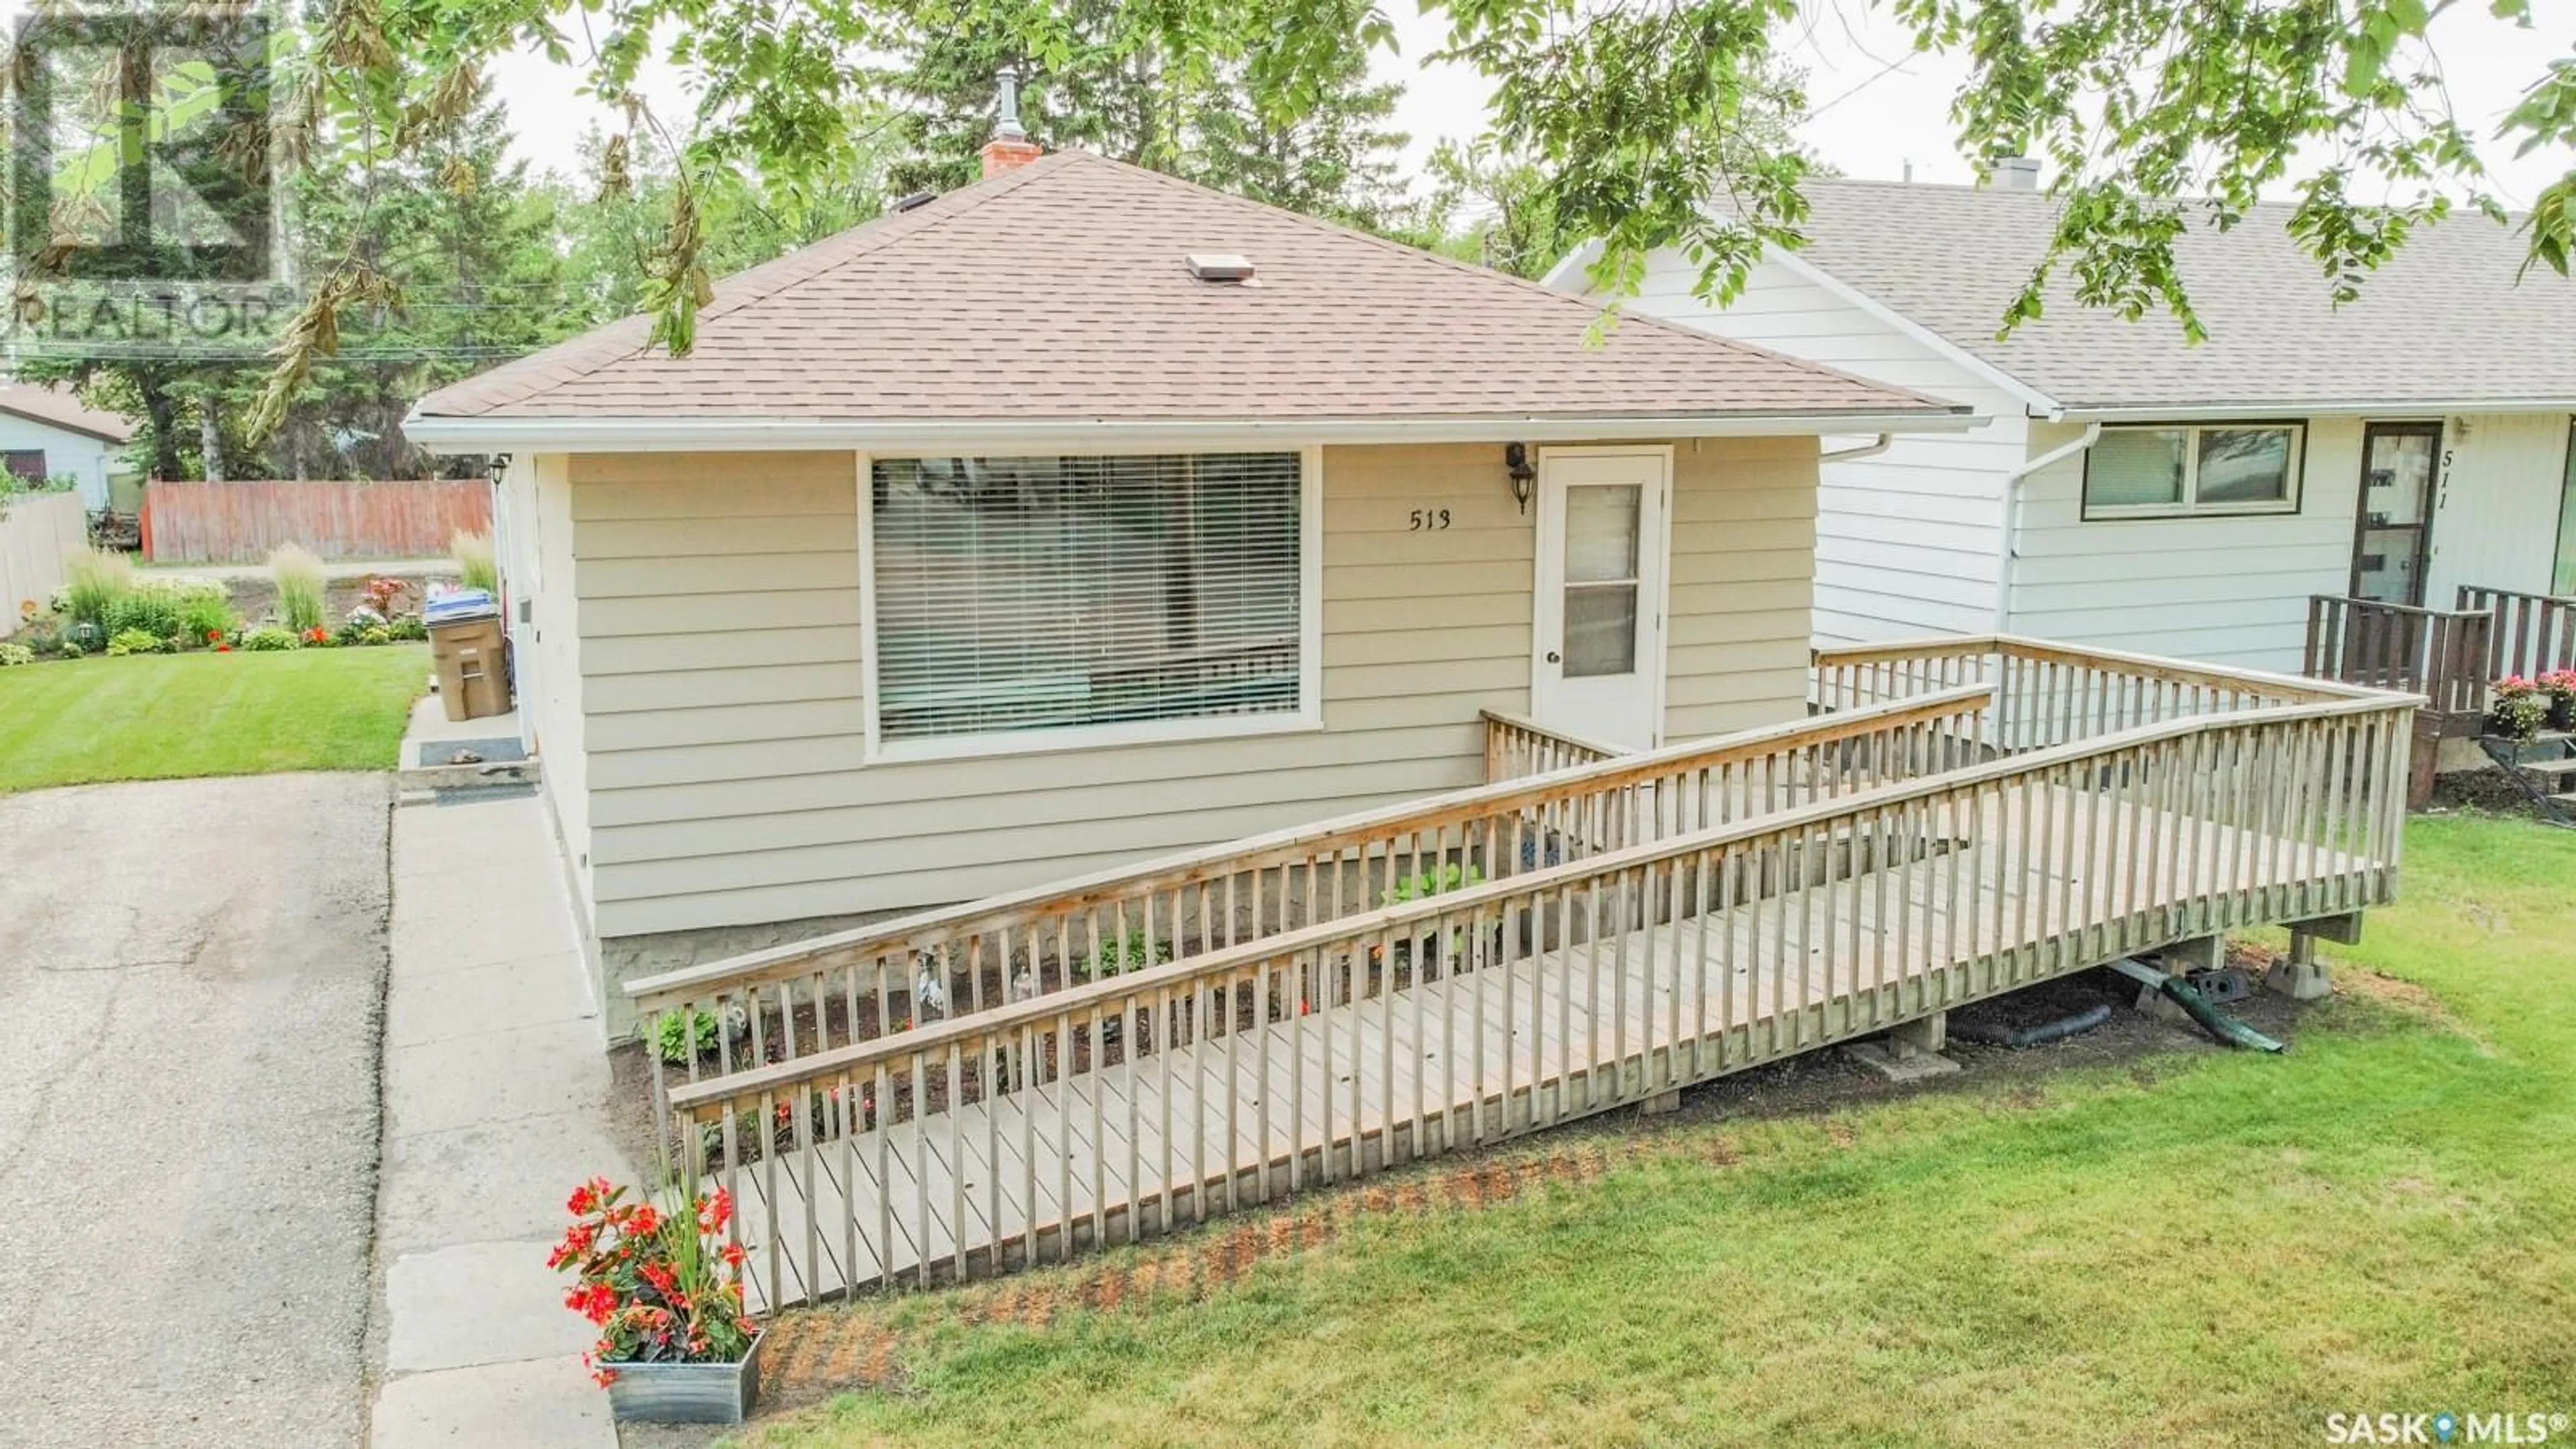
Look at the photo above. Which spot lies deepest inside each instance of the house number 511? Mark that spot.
(1428, 520)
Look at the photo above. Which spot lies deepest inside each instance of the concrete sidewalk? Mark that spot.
(496, 1089)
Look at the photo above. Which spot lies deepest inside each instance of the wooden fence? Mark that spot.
(2532, 634)
(36, 532)
(241, 522)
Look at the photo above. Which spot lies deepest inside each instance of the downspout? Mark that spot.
(2005, 555)
(1865, 450)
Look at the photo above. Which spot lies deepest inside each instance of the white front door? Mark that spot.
(1597, 652)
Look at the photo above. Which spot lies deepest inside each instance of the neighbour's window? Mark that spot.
(27, 464)
(2563, 579)
(2169, 471)
(1021, 594)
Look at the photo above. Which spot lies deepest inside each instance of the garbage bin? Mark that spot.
(466, 650)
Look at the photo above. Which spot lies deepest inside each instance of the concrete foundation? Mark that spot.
(2299, 976)
(628, 958)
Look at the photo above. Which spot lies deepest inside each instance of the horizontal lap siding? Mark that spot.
(2227, 590)
(542, 495)
(719, 620)
(1741, 584)
(1905, 541)
(2498, 524)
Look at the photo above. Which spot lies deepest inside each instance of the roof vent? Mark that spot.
(1220, 267)
(918, 198)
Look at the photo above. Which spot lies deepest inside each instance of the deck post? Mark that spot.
(2298, 975)
(1924, 1036)
(1661, 1103)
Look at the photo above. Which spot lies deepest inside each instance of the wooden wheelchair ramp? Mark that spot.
(1681, 941)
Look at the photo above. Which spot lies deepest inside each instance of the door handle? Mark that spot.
(1552, 657)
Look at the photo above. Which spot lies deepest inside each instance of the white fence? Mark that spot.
(36, 530)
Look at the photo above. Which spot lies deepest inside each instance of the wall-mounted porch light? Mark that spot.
(1516, 464)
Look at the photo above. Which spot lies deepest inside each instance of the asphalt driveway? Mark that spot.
(192, 976)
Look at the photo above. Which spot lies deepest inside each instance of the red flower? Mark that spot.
(223, 649)
(733, 1255)
(214, 635)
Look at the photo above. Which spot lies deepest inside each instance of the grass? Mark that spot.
(2191, 1248)
(159, 717)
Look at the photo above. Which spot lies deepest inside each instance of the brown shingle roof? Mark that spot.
(1058, 292)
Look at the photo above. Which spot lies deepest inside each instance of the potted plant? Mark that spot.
(2520, 708)
(664, 1286)
(2560, 686)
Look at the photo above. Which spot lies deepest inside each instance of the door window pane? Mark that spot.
(2136, 468)
(2244, 465)
(2385, 570)
(2397, 482)
(1600, 629)
(1600, 534)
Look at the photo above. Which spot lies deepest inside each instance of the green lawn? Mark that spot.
(158, 717)
(2192, 1247)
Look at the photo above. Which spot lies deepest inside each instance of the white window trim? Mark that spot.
(1308, 716)
(2290, 503)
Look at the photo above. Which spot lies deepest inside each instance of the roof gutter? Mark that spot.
(2253, 409)
(665, 434)
(2011, 548)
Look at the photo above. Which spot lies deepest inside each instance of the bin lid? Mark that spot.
(458, 606)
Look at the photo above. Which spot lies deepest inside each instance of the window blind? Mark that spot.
(1058, 592)
(2136, 467)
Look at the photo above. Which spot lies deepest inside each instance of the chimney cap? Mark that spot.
(1006, 125)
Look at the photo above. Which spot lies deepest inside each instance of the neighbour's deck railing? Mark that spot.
(797, 1000)
(2529, 634)
(2440, 654)
(1458, 1006)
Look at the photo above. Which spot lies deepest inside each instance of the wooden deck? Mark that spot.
(1177, 1134)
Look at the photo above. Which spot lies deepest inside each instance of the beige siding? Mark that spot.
(544, 499)
(723, 720)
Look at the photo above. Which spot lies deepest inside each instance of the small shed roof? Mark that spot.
(56, 408)
(2450, 321)
(1062, 291)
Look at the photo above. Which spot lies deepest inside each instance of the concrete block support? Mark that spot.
(1908, 1053)
(2299, 975)
(2199, 953)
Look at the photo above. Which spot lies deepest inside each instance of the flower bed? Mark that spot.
(664, 1288)
(105, 608)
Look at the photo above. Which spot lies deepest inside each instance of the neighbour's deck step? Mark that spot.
(2541, 768)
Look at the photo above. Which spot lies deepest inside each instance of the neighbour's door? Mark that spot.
(1597, 651)
(2392, 543)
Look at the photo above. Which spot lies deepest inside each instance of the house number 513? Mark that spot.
(1428, 520)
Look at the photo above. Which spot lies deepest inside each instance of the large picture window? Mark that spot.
(1016, 595)
(2182, 469)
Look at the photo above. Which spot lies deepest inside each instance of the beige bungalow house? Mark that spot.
(1083, 515)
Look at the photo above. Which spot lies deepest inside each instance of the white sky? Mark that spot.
(1876, 107)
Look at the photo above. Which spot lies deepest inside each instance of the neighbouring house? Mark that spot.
(2373, 467)
(1083, 514)
(48, 433)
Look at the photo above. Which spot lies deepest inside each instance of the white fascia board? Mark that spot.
(667, 435)
(2256, 408)
(1571, 274)
(2038, 404)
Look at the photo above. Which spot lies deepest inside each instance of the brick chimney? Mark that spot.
(1010, 146)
